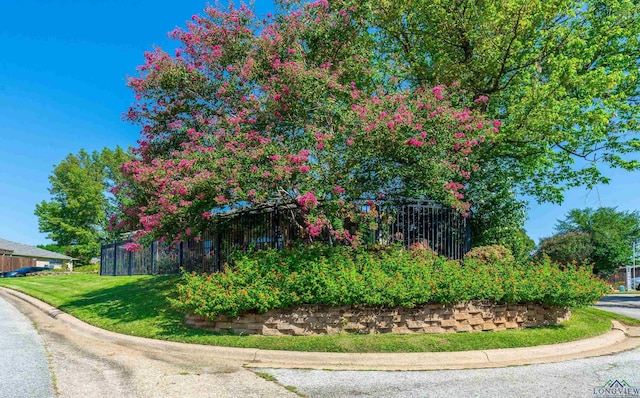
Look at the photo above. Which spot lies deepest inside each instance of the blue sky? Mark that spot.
(63, 69)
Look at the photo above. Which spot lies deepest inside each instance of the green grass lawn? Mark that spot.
(138, 306)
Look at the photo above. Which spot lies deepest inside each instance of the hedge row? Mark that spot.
(384, 277)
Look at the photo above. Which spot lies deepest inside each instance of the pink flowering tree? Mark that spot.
(288, 109)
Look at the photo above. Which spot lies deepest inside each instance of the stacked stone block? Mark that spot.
(306, 320)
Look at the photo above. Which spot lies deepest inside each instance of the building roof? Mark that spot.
(18, 249)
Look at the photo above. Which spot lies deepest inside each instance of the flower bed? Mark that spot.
(291, 280)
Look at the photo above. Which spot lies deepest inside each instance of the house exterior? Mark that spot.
(15, 255)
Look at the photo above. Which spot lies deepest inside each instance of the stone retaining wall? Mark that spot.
(308, 320)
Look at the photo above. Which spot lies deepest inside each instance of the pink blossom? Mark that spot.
(453, 186)
(315, 227)
(133, 247)
(338, 189)
(308, 200)
(414, 142)
(437, 91)
(482, 99)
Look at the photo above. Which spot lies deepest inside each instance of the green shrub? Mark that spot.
(490, 254)
(422, 249)
(568, 248)
(395, 277)
(91, 268)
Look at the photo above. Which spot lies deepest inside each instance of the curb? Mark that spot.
(619, 338)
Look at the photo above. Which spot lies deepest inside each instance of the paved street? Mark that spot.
(564, 379)
(24, 365)
(108, 365)
(625, 304)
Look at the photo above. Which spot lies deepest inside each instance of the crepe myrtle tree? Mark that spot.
(289, 108)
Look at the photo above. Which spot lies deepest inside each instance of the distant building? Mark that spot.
(14, 255)
(629, 277)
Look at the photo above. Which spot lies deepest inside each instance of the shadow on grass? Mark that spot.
(140, 305)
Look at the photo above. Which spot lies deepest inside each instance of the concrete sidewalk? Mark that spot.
(619, 339)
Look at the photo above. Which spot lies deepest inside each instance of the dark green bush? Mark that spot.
(393, 277)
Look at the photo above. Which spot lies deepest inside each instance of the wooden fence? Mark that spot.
(10, 263)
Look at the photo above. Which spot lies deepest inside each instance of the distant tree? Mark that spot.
(52, 247)
(76, 217)
(603, 237)
(567, 248)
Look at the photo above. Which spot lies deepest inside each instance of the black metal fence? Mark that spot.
(410, 221)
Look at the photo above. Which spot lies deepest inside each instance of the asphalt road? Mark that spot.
(24, 364)
(624, 304)
(108, 365)
(579, 378)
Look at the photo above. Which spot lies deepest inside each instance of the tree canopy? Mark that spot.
(291, 109)
(562, 75)
(76, 217)
(325, 102)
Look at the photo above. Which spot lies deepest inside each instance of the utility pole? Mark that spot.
(632, 275)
